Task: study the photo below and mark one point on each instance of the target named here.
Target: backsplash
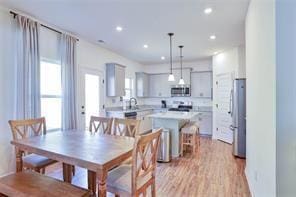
(195, 101)
(115, 102)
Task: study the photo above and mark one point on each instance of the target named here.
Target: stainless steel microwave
(180, 91)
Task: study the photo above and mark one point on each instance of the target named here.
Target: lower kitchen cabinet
(204, 120)
(146, 123)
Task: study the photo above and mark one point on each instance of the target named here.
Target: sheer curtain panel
(69, 71)
(27, 69)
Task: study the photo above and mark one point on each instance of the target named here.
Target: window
(128, 88)
(51, 90)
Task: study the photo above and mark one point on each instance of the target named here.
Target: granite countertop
(140, 108)
(155, 107)
(174, 115)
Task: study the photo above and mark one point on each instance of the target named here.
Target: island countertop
(174, 115)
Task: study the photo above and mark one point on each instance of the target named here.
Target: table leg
(102, 176)
(19, 161)
(67, 172)
(92, 181)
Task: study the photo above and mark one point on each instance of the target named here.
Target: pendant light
(171, 76)
(181, 82)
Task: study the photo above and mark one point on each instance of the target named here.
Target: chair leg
(73, 170)
(194, 143)
(43, 171)
(153, 189)
(37, 170)
(182, 139)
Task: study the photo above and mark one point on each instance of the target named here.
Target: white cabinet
(146, 122)
(186, 76)
(204, 120)
(142, 84)
(159, 86)
(115, 80)
(201, 84)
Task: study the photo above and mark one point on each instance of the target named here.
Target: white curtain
(69, 71)
(27, 69)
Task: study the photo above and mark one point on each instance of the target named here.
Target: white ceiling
(146, 22)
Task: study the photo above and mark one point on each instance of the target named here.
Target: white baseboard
(6, 174)
(248, 177)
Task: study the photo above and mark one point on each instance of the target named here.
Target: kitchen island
(173, 121)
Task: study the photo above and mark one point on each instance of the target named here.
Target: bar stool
(190, 136)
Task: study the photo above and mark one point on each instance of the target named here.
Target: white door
(224, 120)
(91, 95)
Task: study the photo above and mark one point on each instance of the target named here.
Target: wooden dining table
(96, 152)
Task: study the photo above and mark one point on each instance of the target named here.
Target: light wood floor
(212, 172)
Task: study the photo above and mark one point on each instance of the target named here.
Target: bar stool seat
(190, 136)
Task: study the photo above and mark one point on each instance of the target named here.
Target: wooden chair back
(27, 128)
(100, 124)
(126, 127)
(144, 162)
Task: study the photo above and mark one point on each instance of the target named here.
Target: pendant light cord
(171, 52)
(181, 60)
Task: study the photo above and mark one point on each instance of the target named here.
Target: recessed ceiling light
(208, 10)
(163, 57)
(145, 46)
(212, 37)
(118, 28)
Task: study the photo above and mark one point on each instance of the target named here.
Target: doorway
(224, 120)
(91, 95)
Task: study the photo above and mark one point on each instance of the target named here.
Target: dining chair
(22, 129)
(134, 180)
(100, 124)
(126, 127)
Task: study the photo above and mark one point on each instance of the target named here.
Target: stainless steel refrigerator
(238, 114)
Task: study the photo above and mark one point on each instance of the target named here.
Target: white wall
(285, 98)
(261, 98)
(202, 65)
(233, 62)
(7, 158)
(94, 57)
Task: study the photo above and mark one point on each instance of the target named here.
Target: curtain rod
(50, 28)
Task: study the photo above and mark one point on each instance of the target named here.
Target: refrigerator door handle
(231, 103)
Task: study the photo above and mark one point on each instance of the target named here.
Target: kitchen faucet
(130, 102)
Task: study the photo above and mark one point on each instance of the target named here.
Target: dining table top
(93, 151)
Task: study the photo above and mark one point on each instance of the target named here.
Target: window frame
(51, 61)
(131, 87)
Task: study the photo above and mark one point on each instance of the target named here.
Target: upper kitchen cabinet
(142, 84)
(201, 84)
(159, 85)
(115, 79)
(186, 76)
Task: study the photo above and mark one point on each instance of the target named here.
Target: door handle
(83, 113)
